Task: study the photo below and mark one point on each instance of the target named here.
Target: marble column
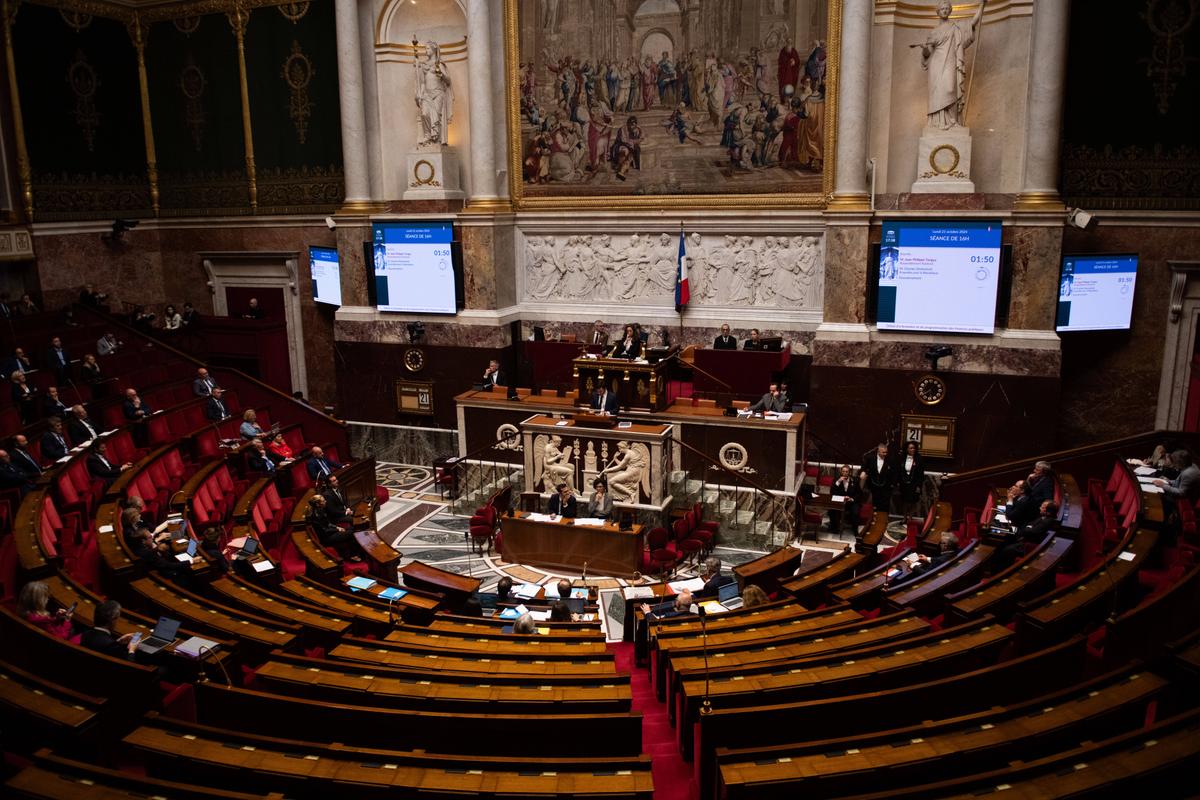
(850, 177)
(1044, 107)
(350, 92)
(479, 72)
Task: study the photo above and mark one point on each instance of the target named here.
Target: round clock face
(414, 359)
(930, 389)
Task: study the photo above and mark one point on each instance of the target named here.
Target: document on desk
(509, 613)
(262, 566)
(692, 585)
(638, 592)
(392, 593)
(1150, 488)
(1144, 471)
(359, 582)
(782, 416)
(1003, 520)
(594, 522)
(536, 517)
(193, 646)
(527, 591)
(540, 616)
(713, 607)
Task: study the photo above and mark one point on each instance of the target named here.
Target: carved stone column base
(1039, 201)
(361, 208)
(488, 205)
(858, 201)
(944, 162)
(433, 175)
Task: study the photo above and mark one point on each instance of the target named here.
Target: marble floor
(418, 523)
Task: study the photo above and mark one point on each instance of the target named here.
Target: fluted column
(479, 73)
(350, 91)
(850, 177)
(1044, 107)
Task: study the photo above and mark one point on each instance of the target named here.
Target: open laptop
(162, 635)
(249, 548)
(727, 596)
(192, 547)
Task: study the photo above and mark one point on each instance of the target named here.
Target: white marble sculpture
(629, 470)
(724, 271)
(943, 57)
(435, 97)
(555, 466)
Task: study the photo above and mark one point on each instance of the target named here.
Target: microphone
(584, 578)
(203, 674)
(706, 705)
(391, 613)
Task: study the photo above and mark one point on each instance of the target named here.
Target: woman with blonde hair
(753, 596)
(33, 606)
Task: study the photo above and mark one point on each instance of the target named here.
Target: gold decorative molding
(297, 73)
(488, 205)
(137, 33)
(359, 208)
(1038, 202)
(151, 12)
(24, 169)
(239, 18)
(406, 53)
(915, 15)
(855, 201)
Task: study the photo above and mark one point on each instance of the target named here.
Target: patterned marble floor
(418, 524)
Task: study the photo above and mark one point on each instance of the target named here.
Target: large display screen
(938, 276)
(326, 275)
(413, 267)
(1095, 293)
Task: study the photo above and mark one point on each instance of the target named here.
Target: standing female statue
(435, 99)
(943, 56)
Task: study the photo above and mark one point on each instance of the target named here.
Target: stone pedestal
(944, 162)
(433, 175)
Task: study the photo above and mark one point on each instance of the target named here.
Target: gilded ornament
(298, 73)
(193, 83)
(429, 176)
(77, 20)
(82, 78)
(187, 25)
(294, 11)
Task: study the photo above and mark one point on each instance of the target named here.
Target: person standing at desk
(601, 505)
(753, 343)
(878, 475)
(629, 347)
(605, 402)
(563, 503)
(771, 401)
(725, 341)
(599, 334)
(845, 486)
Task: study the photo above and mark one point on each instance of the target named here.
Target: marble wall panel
(846, 273)
(395, 331)
(130, 271)
(908, 355)
(399, 444)
(1037, 252)
(350, 240)
(479, 266)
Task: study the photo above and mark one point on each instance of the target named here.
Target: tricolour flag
(682, 295)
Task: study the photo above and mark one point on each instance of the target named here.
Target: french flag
(682, 295)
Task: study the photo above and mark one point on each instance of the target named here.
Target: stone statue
(435, 99)
(628, 469)
(556, 465)
(943, 56)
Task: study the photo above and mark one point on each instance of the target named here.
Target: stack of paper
(527, 591)
(713, 607)
(392, 593)
(692, 585)
(360, 582)
(264, 565)
(193, 646)
(638, 592)
(540, 616)
(594, 522)
(1145, 471)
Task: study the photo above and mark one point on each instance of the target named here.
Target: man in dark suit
(492, 376)
(215, 408)
(947, 550)
(753, 343)
(563, 502)
(17, 362)
(1014, 543)
(254, 310)
(12, 476)
(79, 427)
(320, 466)
(1040, 483)
(335, 501)
(680, 606)
(52, 406)
(725, 341)
(713, 579)
(771, 401)
(204, 384)
(258, 460)
(845, 486)
(103, 637)
(23, 459)
(136, 409)
(605, 401)
(53, 444)
(878, 476)
(190, 316)
(100, 467)
(599, 334)
(58, 360)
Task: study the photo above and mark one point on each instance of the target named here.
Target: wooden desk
(455, 588)
(381, 556)
(746, 373)
(638, 384)
(605, 550)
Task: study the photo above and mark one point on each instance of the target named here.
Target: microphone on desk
(584, 578)
(391, 613)
(203, 674)
(706, 705)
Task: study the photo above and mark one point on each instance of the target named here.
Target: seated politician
(681, 605)
(563, 502)
(771, 401)
(605, 402)
(630, 345)
(492, 376)
(601, 504)
(713, 579)
(754, 342)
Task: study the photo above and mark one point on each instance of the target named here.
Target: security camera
(329, 223)
(1078, 218)
(937, 353)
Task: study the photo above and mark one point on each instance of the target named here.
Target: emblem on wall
(734, 457)
(508, 438)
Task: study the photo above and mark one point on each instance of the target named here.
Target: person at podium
(563, 502)
(492, 376)
(600, 334)
(753, 343)
(605, 402)
(771, 401)
(725, 341)
(630, 345)
(601, 505)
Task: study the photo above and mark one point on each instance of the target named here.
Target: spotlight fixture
(120, 227)
(1078, 218)
(416, 332)
(937, 353)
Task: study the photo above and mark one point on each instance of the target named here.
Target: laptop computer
(727, 596)
(162, 635)
(575, 604)
(249, 548)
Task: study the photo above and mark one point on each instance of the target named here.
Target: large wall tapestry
(782, 272)
(690, 102)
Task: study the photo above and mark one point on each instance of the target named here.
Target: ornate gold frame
(516, 186)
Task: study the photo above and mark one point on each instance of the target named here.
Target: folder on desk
(262, 566)
(527, 591)
(359, 582)
(579, 591)
(692, 585)
(191, 648)
(509, 613)
(638, 592)
(392, 593)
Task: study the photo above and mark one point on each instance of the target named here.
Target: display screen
(413, 267)
(1095, 293)
(326, 275)
(938, 276)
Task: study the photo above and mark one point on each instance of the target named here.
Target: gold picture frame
(516, 148)
(934, 435)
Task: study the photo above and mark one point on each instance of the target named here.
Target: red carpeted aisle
(672, 775)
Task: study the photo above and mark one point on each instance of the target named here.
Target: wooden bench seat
(318, 563)
(978, 742)
(303, 769)
(367, 616)
(504, 643)
(809, 586)
(865, 590)
(319, 626)
(766, 572)
(926, 593)
(35, 712)
(389, 654)
(1027, 577)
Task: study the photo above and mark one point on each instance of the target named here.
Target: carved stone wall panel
(784, 272)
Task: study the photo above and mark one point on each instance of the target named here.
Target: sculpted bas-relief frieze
(784, 272)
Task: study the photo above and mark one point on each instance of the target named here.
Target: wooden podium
(637, 384)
